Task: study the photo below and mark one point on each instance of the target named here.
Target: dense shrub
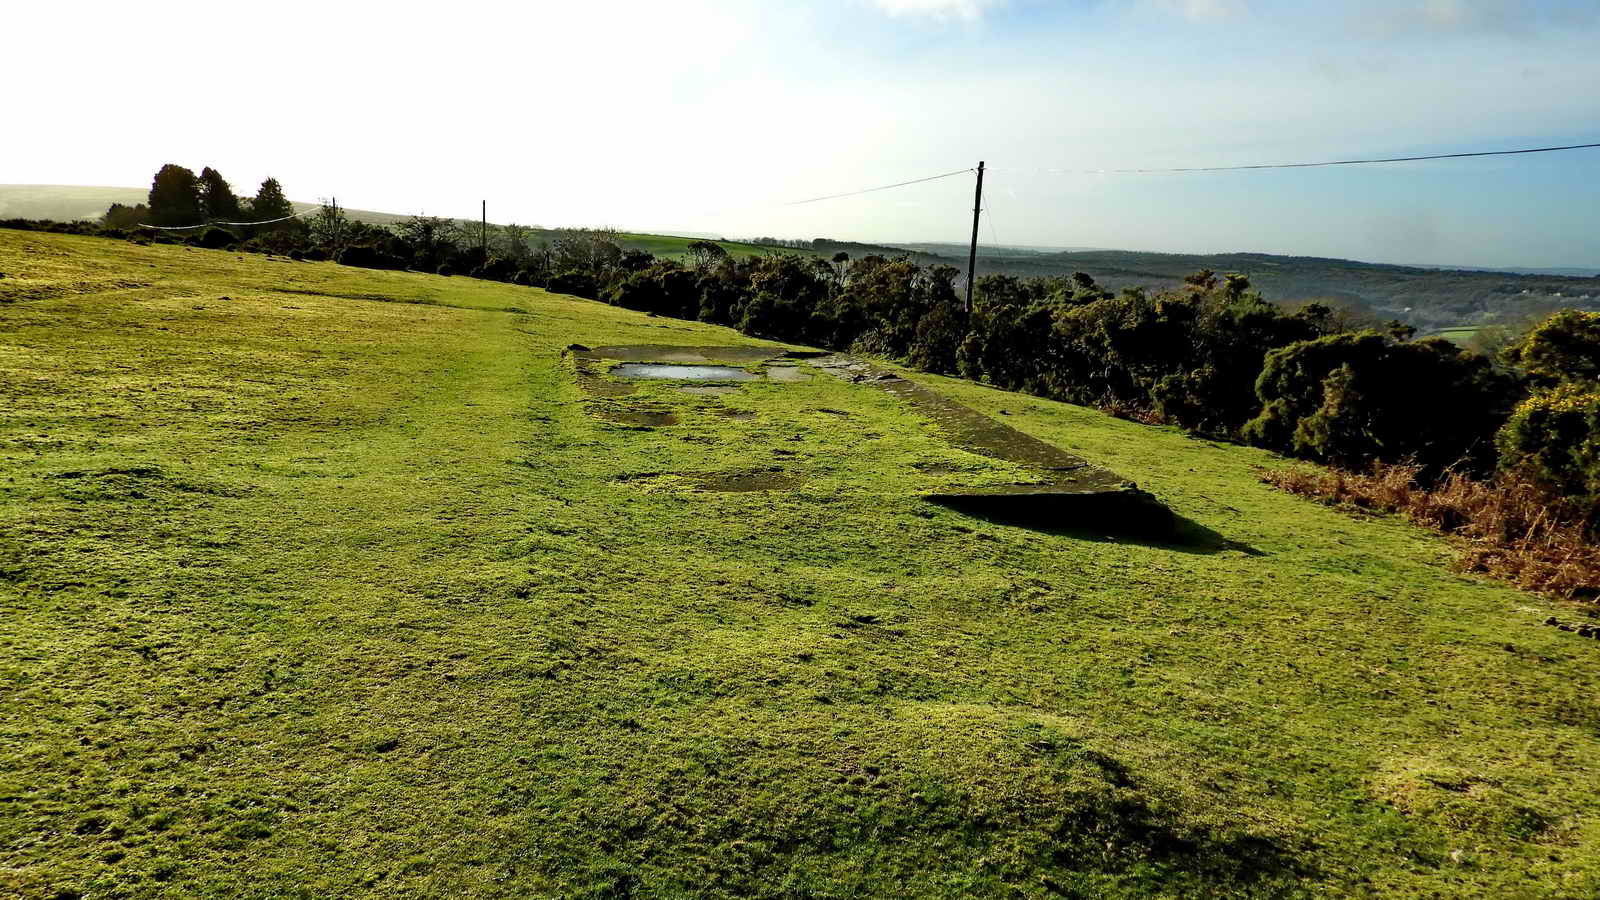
(1356, 399)
(663, 288)
(1553, 438)
(217, 239)
(1562, 348)
(578, 284)
(369, 258)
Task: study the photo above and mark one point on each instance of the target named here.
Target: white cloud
(967, 10)
(1207, 10)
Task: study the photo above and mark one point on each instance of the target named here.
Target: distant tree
(513, 242)
(431, 238)
(175, 197)
(121, 216)
(217, 200)
(587, 250)
(329, 228)
(706, 254)
(270, 203)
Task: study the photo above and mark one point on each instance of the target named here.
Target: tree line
(180, 198)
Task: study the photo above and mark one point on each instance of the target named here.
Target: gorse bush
(1563, 348)
(1356, 399)
(1553, 438)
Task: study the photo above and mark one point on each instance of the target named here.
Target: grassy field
(678, 247)
(326, 582)
(1459, 334)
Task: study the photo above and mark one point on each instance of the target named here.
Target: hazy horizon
(710, 116)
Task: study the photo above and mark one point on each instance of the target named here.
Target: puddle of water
(787, 373)
(708, 389)
(741, 482)
(681, 372)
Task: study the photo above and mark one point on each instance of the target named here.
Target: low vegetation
(329, 581)
(1511, 527)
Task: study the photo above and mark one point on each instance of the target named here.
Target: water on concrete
(743, 355)
(681, 372)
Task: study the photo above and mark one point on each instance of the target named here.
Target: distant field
(326, 582)
(63, 203)
(678, 248)
(1458, 334)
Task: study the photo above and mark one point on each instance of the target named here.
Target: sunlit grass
(320, 581)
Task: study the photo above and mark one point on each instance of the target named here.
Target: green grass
(1458, 334)
(678, 247)
(320, 582)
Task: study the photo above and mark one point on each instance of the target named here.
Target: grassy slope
(303, 593)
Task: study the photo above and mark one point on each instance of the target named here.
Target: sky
(716, 115)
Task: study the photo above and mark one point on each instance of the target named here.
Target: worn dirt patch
(633, 415)
(788, 374)
(755, 480)
(594, 385)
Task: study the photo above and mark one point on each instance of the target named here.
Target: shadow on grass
(1148, 526)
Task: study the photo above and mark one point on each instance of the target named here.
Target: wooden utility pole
(972, 255)
(483, 232)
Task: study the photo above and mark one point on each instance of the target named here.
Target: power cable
(1312, 165)
(294, 215)
(881, 188)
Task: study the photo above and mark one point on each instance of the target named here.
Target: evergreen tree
(217, 199)
(270, 202)
(175, 197)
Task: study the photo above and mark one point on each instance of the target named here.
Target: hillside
(333, 582)
(1430, 298)
(1427, 298)
(63, 202)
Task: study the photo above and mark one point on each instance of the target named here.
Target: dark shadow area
(1121, 517)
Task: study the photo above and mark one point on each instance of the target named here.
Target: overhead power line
(1313, 165)
(294, 215)
(880, 188)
